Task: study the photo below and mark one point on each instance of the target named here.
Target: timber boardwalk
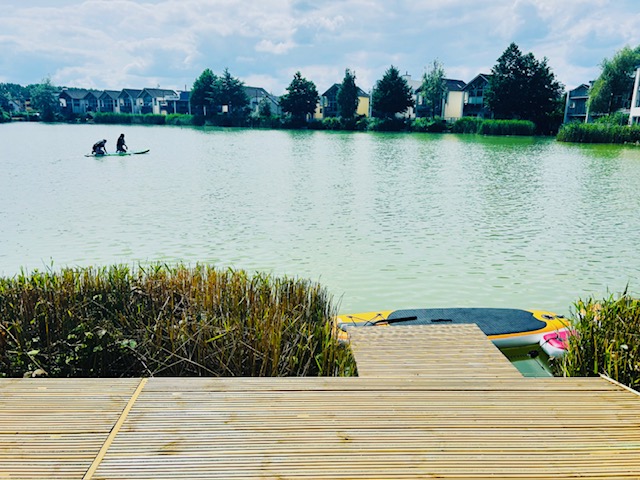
(456, 412)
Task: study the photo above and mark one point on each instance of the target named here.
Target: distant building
(329, 102)
(73, 101)
(474, 105)
(576, 109)
(108, 101)
(127, 101)
(258, 95)
(452, 103)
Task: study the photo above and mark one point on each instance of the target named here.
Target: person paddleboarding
(100, 147)
(121, 147)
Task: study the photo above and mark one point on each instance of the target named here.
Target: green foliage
(44, 99)
(347, 97)
(389, 124)
(300, 100)
(467, 125)
(231, 94)
(203, 93)
(606, 340)
(598, 133)
(4, 116)
(507, 127)
(433, 89)
(179, 119)
(480, 126)
(392, 95)
(432, 125)
(617, 118)
(612, 89)
(522, 87)
(166, 321)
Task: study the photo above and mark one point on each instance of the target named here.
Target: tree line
(521, 87)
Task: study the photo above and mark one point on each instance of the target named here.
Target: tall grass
(607, 340)
(128, 118)
(598, 133)
(493, 127)
(172, 321)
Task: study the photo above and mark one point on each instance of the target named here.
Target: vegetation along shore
(520, 96)
(201, 321)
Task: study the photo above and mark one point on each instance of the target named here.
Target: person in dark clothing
(121, 147)
(100, 147)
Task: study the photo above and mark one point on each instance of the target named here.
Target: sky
(115, 44)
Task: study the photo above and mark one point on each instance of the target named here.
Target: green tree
(433, 89)
(347, 97)
(229, 92)
(44, 99)
(522, 87)
(300, 100)
(392, 94)
(203, 93)
(612, 89)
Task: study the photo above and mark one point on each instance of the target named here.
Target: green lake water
(384, 221)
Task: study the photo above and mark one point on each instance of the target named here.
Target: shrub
(331, 123)
(160, 320)
(467, 125)
(598, 133)
(607, 340)
(507, 127)
(179, 119)
(388, 124)
(432, 125)
(112, 118)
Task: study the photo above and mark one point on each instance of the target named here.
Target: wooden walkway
(387, 424)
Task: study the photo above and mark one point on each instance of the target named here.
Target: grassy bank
(598, 133)
(607, 341)
(166, 321)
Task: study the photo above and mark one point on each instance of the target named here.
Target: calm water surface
(384, 221)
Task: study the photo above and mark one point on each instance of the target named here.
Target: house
(329, 102)
(73, 101)
(108, 101)
(127, 101)
(415, 86)
(257, 95)
(474, 105)
(634, 111)
(452, 102)
(575, 109)
(155, 100)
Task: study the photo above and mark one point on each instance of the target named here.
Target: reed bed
(598, 133)
(166, 321)
(607, 340)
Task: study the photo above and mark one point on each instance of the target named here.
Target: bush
(617, 118)
(112, 118)
(598, 133)
(388, 124)
(331, 123)
(166, 321)
(606, 342)
(179, 119)
(507, 127)
(467, 125)
(431, 125)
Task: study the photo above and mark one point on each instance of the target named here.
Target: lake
(384, 221)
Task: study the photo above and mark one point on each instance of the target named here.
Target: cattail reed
(160, 320)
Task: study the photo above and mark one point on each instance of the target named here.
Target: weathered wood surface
(428, 351)
(372, 427)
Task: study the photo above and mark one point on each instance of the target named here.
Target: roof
(454, 85)
(481, 77)
(111, 93)
(75, 93)
(159, 92)
(132, 92)
(336, 86)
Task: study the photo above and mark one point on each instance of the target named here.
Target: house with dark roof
(108, 101)
(258, 95)
(127, 101)
(73, 101)
(575, 109)
(155, 100)
(329, 102)
(474, 105)
(452, 102)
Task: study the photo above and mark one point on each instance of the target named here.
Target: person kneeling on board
(100, 147)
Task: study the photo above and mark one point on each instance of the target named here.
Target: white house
(634, 113)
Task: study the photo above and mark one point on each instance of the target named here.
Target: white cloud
(116, 43)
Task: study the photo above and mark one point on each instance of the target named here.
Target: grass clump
(166, 321)
(598, 133)
(607, 340)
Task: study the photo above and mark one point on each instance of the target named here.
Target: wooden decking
(389, 423)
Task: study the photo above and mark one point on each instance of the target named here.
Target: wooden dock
(400, 419)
